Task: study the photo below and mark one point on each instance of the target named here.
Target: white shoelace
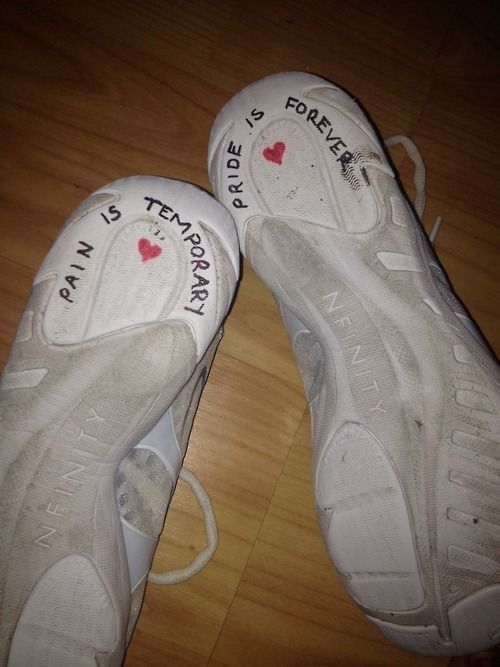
(418, 179)
(203, 557)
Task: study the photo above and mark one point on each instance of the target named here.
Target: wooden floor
(95, 90)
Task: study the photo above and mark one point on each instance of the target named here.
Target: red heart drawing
(275, 153)
(148, 250)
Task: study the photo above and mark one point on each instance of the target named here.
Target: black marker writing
(233, 166)
(85, 250)
(255, 116)
(197, 251)
(336, 144)
(113, 214)
(71, 279)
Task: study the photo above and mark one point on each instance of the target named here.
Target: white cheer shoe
(404, 393)
(96, 404)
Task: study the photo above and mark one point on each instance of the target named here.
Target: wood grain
(93, 91)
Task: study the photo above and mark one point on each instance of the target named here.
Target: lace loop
(170, 577)
(418, 179)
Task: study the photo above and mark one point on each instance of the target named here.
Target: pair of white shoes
(113, 348)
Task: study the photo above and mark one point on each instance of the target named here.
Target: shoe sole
(121, 312)
(404, 393)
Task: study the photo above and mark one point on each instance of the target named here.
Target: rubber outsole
(404, 393)
(122, 310)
